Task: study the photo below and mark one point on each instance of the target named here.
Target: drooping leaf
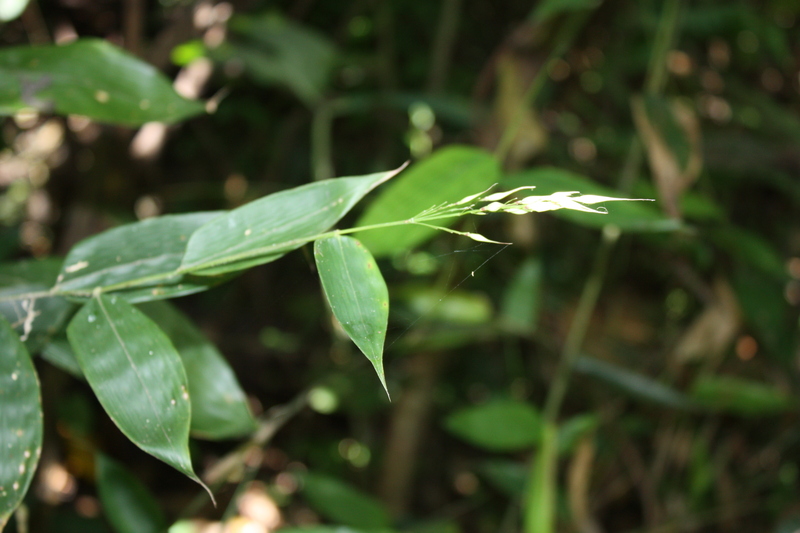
(447, 176)
(127, 503)
(275, 50)
(343, 504)
(357, 294)
(740, 396)
(143, 254)
(219, 405)
(137, 376)
(34, 319)
(502, 425)
(267, 228)
(20, 421)
(89, 77)
(628, 216)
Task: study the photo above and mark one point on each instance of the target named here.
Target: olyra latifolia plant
(142, 357)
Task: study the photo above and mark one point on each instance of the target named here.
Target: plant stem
(544, 465)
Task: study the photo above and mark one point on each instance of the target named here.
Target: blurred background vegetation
(660, 341)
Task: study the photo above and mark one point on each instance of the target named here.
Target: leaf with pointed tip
(219, 405)
(89, 77)
(127, 503)
(150, 249)
(21, 416)
(137, 376)
(357, 294)
(267, 228)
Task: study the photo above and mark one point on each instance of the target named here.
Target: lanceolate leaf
(137, 375)
(89, 77)
(447, 176)
(144, 255)
(20, 421)
(219, 405)
(266, 229)
(127, 503)
(357, 294)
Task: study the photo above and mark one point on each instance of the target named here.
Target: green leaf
(540, 505)
(342, 504)
(628, 216)
(137, 376)
(521, 300)
(500, 426)
(141, 258)
(750, 248)
(21, 416)
(548, 9)
(275, 50)
(219, 405)
(507, 476)
(36, 320)
(357, 294)
(447, 176)
(267, 228)
(127, 503)
(59, 353)
(11, 9)
(633, 383)
(740, 396)
(89, 77)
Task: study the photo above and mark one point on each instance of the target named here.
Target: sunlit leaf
(342, 504)
(447, 176)
(140, 257)
(89, 77)
(21, 417)
(137, 376)
(127, 503)
(267, 228)
(628, 216)
(500, 425)
(219, 405)
(357, 294)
